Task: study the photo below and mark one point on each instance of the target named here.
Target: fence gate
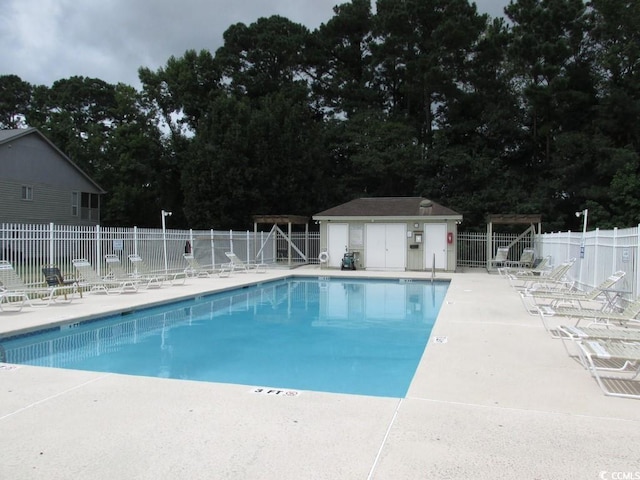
(287, 250)
(473, 247)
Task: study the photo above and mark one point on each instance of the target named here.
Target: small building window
(27, 192)
(75, 207)
(89, 206)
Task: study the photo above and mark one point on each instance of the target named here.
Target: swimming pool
(327, 334)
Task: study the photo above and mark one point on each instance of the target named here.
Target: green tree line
(534, 112)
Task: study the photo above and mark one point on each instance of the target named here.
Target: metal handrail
(433, 268)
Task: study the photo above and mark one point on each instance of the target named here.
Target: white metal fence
(29, 247)
(472, 247)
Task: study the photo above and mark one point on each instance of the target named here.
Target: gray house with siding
(40, 184)
(390, 233)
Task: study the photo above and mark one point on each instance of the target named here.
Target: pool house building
(390, 233)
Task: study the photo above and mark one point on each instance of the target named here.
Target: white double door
(386, 246)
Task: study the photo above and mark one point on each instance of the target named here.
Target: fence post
(51, 259)
(594, 280)
(306, 242)
(98, 256)
(231, 241)
(489, 247)
(615, 250)
(135, 240)
(636, 281)
(289, 243)
(213, 250)
(249, 258)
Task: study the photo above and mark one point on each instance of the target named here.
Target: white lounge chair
(628, 316)
(531, 298)
(540, 269)
(623, 383)
(525, 265)
(571, 335)
(556, 278)
(195, 269)
(501, 257)
(88, 277)
(15, 293)
(237, 264)
(141, 268)
(119, 273)
(12, 301)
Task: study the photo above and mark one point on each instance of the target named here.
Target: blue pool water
(334, 335)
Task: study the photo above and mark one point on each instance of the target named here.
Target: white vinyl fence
(598, 253)
(29, 247)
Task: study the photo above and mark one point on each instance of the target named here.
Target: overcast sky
(47, 40)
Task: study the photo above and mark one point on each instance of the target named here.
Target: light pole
(164, 239)
(584, 213)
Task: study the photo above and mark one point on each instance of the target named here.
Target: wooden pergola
(533, 220)
(288, 220)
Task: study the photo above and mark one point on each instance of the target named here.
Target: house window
(27, 192)
(75, 203)
(89, 206)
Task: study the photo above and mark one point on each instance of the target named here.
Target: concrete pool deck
(499, 399)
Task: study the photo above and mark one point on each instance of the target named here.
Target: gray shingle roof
(6, 135)
(388, 207)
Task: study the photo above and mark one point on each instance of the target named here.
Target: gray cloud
(46, 40)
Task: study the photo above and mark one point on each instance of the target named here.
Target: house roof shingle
(389, 207)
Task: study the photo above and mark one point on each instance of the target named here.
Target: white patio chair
(88, 277)
(237, 264)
